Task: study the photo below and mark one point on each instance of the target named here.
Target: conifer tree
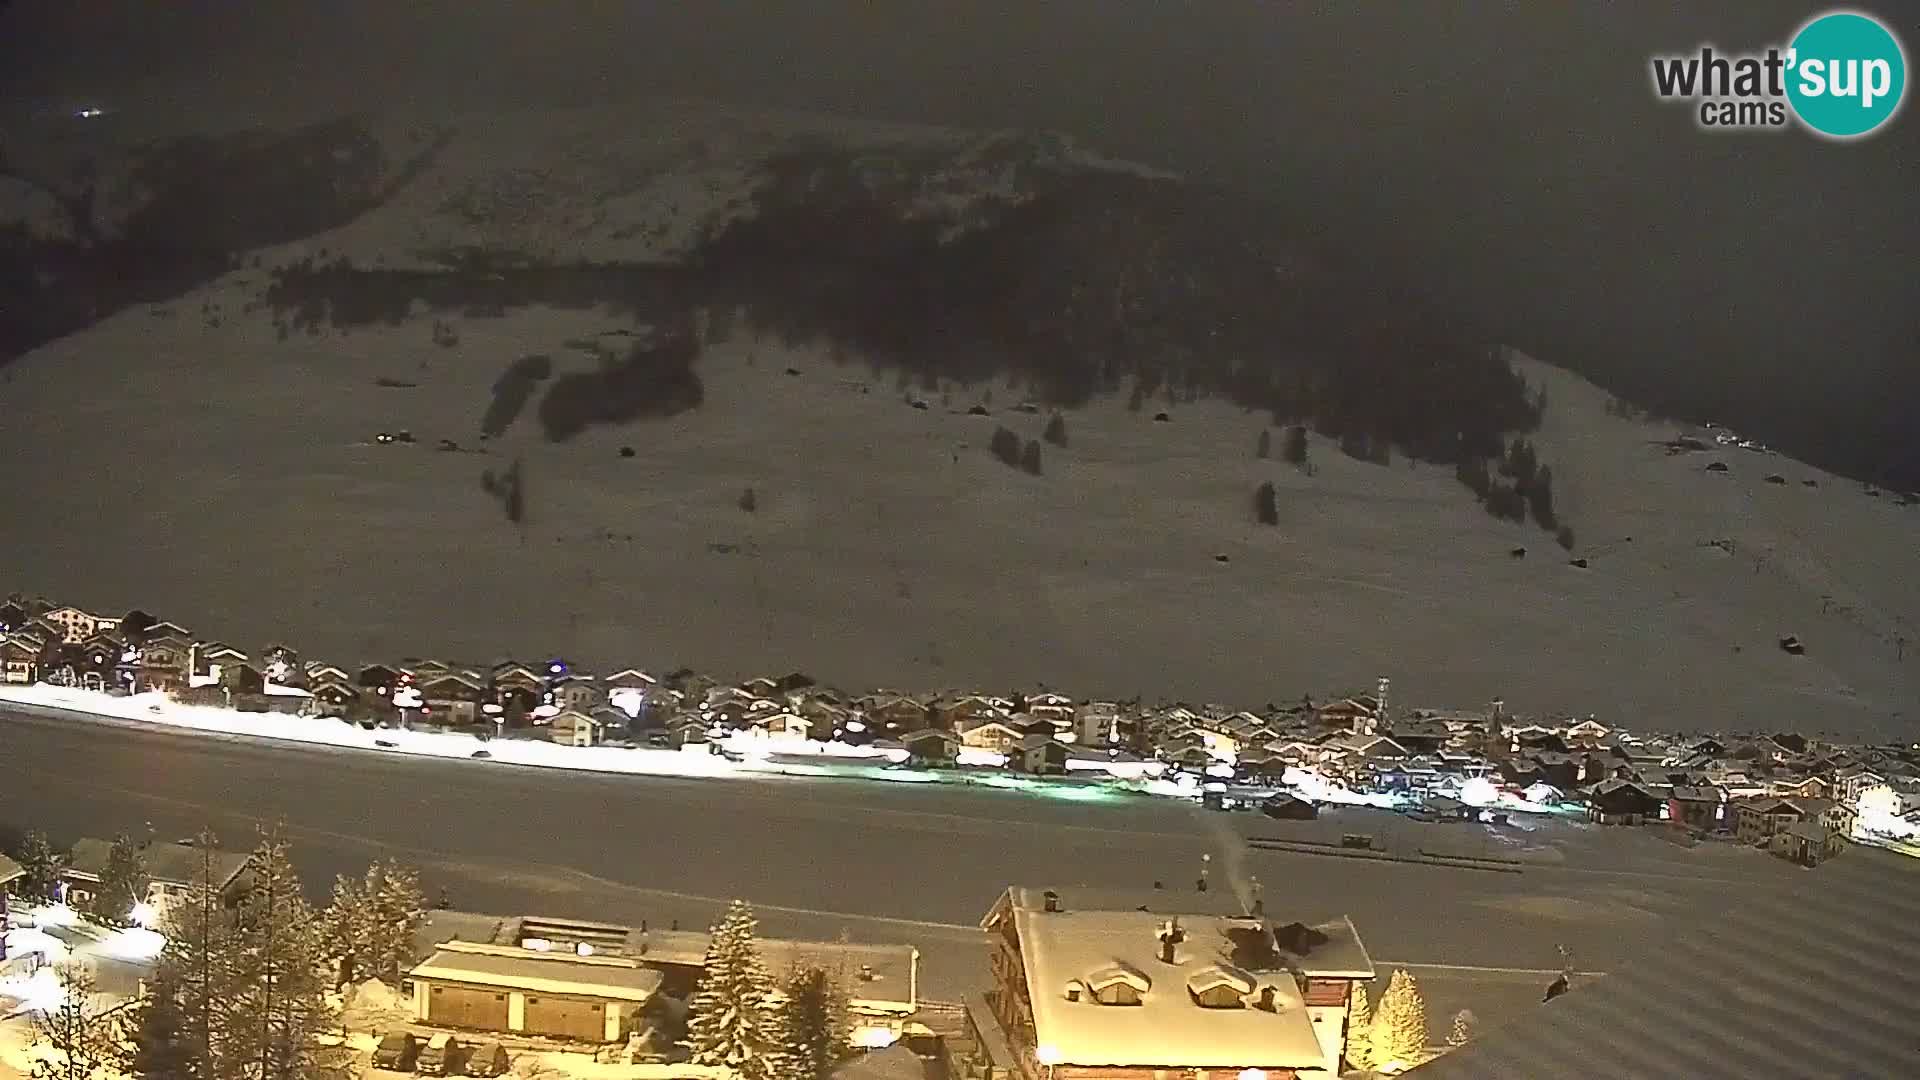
(1056, 432)
(1266, 509)
(398, 907)
(41, 864)
(345, 931)
(123, 883)
(1359, 1028)
(815, 1025)
(1462, 1029)
(1400, 1030)
(1294, 450)
(157, 1036)
(278, 1004)
(197, 962)
(1540, 499)
(730, 1022)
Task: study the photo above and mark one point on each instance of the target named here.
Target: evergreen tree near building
(123, 883)
(1359, 1027)
(1400, 1028)
(398, 906)
(157, 1037)
(277, 1005)
(815, 1024)
(41, 864)
(197, 965)
(730, 1020)
(80, 1037)
(1462, 1029)
(346, 931)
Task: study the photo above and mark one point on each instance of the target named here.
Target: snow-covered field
(231, 483)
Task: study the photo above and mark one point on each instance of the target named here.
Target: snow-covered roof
(1827, 996)
(9, 870)
(615, 978)
(1167, 1028)
(174, 864)
(881, 978)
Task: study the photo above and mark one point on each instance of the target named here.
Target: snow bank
(158, 709)
(758, 757)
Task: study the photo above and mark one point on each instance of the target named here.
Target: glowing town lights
(1253, 1074)
(1048, 1054)
(134, 944)
(583, 949)
(143, 914)
(1479, 791)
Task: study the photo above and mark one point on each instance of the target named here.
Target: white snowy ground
(230, 482)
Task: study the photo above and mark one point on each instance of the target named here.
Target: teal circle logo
(1846, 74)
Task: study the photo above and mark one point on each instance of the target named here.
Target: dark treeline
(1103, 280)
(205, 201)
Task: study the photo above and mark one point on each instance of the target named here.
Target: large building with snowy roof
(1138, 994)
(590, 981)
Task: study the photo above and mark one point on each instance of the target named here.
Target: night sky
(1507, 158)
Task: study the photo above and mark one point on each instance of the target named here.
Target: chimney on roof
(1266, 999)
(1052, 900)
(1170, 936)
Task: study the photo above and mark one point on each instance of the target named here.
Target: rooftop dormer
(1115, 984)
(1217, 986)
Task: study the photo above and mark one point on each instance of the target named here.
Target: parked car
(438, 1058)
(488, 1059)
(398, 1050)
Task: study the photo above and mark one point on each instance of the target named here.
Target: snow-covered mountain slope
(637, 184)
(211, 456)
(232, 482)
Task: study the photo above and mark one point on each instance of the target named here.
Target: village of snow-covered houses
(472, 992)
